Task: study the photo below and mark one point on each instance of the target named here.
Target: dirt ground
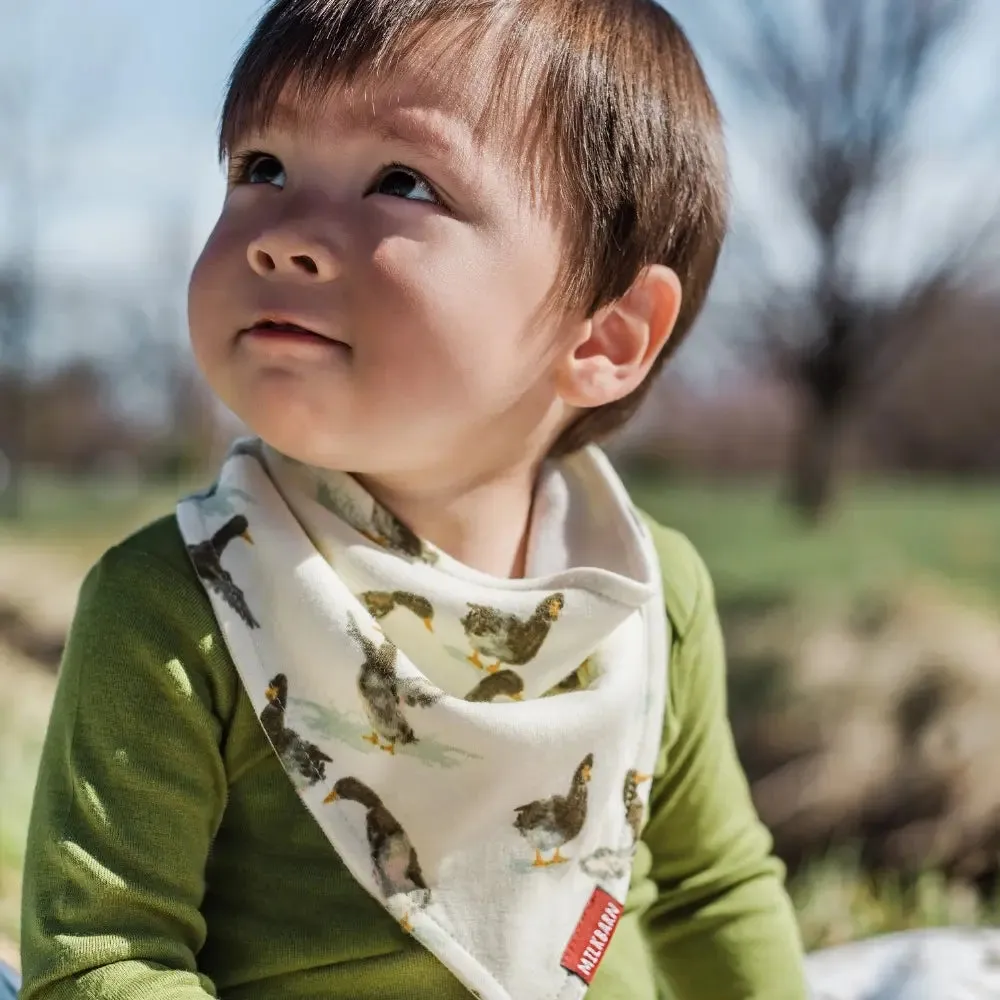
(38, 589)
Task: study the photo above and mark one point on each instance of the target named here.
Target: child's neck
(483, 524)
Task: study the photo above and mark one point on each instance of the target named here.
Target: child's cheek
(427, 300)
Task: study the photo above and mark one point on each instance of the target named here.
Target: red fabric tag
(592, 936)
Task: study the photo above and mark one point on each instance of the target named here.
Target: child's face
(418, 258)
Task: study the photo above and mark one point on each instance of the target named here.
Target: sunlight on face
(372, 295)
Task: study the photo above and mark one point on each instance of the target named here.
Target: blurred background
(829, 437)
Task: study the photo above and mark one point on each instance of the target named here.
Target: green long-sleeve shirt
(170, 857)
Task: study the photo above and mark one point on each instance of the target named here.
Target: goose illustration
(549, 824)
(382, 692)
(504, 683)
(635, 811)
(207, 559)
(382, 602)
(394, 858)
(296, 753)
(507, 638)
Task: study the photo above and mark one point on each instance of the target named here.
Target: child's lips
(279, 334)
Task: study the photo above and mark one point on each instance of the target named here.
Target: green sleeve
(722, 925)
(130, 792)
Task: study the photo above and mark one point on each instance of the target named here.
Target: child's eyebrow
(422, 134)
(437, 133)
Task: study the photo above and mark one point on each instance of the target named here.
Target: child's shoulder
(687, 585)
(150, 567)
(157, 546)
(142, 605)
(159, 540)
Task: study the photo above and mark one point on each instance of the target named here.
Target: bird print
(502, 684)
(635, 811)
(382, 602)
(207, 559)
(383, 693)
(222, 501)
(389, 532)
(393, 857)
(607, 863)
(581, 679)
(246, 447)
(550, 824)
(296, 753)
(507, 638)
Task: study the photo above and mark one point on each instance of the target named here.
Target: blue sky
(126, 96)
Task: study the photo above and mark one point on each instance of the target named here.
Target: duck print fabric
(475, 749)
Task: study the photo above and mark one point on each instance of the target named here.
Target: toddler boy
(412, 702)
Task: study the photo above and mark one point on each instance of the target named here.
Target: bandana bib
(476, 750)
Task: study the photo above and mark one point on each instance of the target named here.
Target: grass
(22, 728)
(836, 901)
(94, 511)
(880, 535)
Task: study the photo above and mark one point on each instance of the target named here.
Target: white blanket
(937, 964)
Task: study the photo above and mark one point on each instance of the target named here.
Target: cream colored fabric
(473, 748)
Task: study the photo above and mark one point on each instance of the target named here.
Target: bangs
(307, 48)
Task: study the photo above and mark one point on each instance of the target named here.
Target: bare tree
(36, 147)
(17, 285)
(849, 103)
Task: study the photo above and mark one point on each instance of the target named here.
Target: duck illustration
(507, 638)
(581, 678)
(393, 856)
(389, 532)
(570, 683)
(222, 500)
(507, 683)
(382, 602)
(382, 692)
(341, 504)
(549, 824)
(295, 752)
(207, 559)
(635, 811)
(247, 447)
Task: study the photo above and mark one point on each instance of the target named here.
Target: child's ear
(617, 346)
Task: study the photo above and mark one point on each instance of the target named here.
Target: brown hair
(616, 99)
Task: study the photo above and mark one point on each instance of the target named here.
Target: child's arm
(130, 793)
(722, 926)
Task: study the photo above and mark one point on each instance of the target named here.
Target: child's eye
(257, 168)
(401, 182)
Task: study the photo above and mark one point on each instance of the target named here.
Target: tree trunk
(15, 354)
(809, 489)
(12, 459)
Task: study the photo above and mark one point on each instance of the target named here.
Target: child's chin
(297, 429)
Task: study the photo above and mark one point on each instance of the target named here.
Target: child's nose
(283, 254)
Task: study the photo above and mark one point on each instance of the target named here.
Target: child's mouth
(285, 332)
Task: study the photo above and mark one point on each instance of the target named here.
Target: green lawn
(91, 509)
(880, 535)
